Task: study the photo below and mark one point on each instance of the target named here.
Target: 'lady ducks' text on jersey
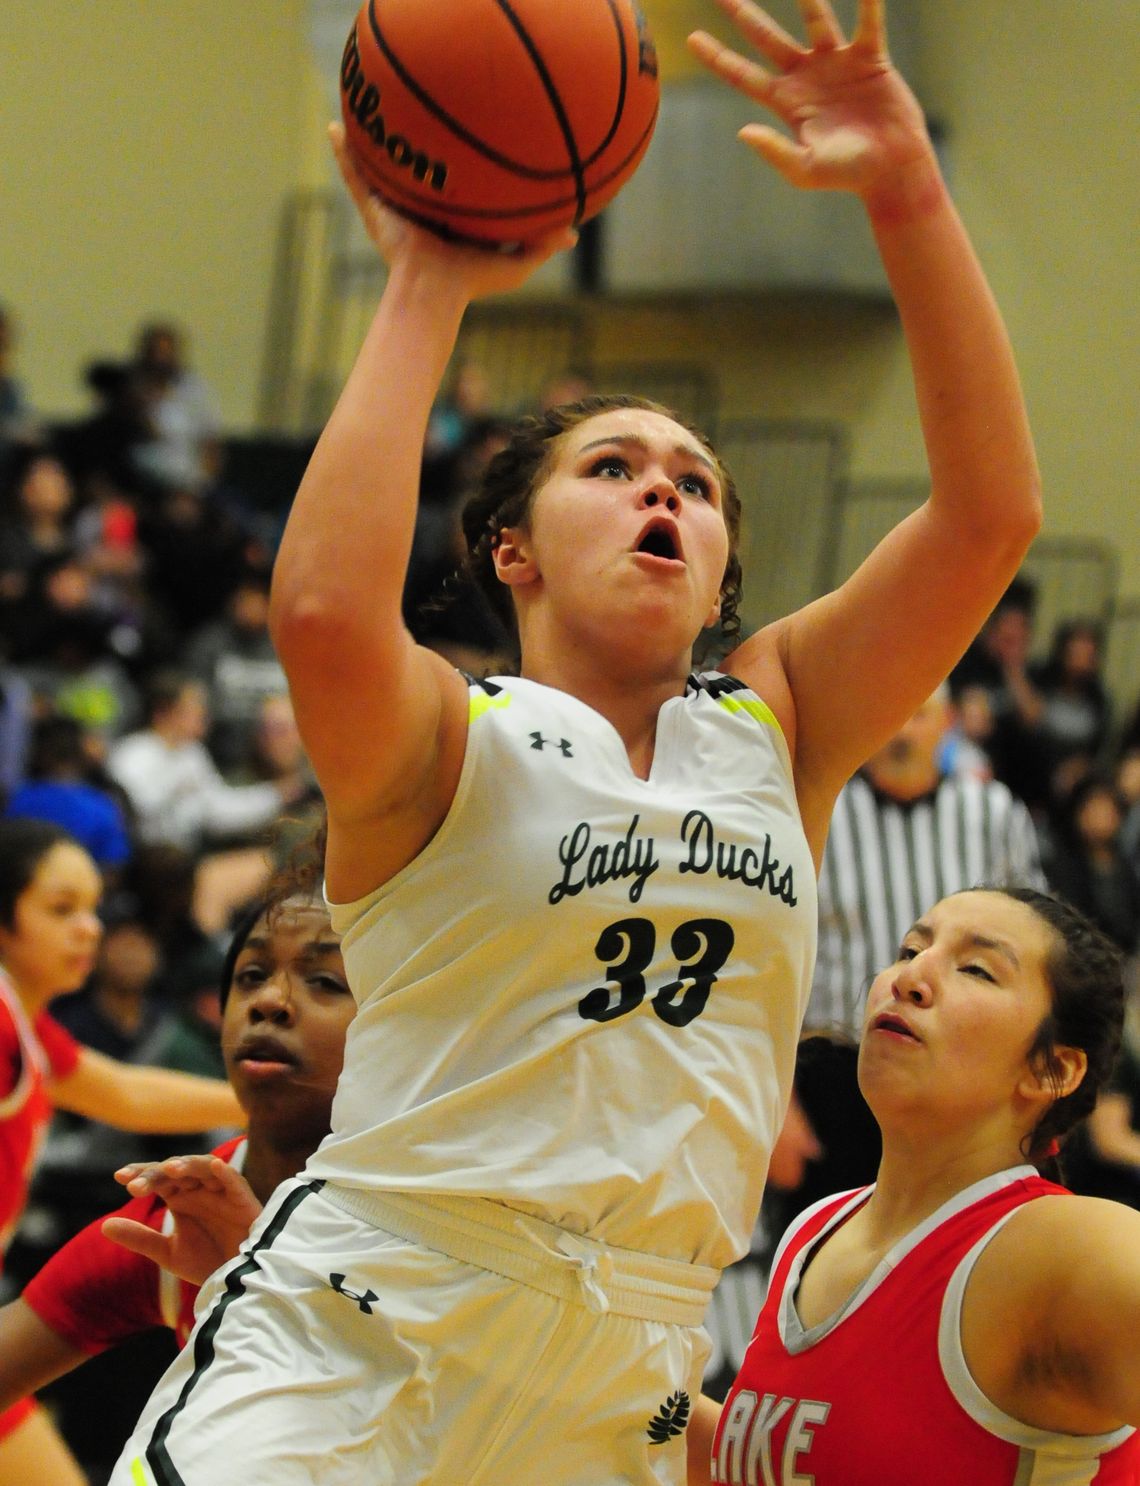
(583, 996)
(880, 1394)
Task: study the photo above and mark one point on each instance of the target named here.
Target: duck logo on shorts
(363, 1301)
(670, 1419)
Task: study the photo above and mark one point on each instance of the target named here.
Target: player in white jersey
(577, 906)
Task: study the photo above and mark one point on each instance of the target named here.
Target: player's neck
(628, 701)
(268, 1162)
(916, 1177)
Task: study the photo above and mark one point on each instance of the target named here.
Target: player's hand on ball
(485, 270)
(854, 124)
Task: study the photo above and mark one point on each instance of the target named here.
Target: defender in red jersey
(964, 1319)
(49, 934)
(286, 1008)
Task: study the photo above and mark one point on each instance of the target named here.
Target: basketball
(497, 121)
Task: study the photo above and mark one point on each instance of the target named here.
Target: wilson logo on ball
(362, 101)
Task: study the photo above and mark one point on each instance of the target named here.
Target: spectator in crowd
(196, 554)
(36, 510)
(63, 785)
(16, 705)
(1085, 860)
(103, 442)
(15, 413)
(998, 663)
(175, 788)
(234, 658)
(463, 402)
(901, 834)
(1075, 710)
(70, 656)
(1127, 775)
(184, 420)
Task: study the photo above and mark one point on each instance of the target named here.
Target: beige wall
(146, 150)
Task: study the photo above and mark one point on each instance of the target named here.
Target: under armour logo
(670, 1419)
(363, 1301)
(563, 743)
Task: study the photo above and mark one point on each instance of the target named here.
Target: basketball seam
(556, 104)
(576, 168)
(395, 192)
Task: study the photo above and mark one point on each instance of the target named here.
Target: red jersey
(32, 1052)
(879, 1394)
(95, 1294)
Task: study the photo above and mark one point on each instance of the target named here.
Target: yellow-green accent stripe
(481, 702)
(138, 1473)
(755, 708)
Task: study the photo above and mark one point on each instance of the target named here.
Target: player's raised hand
(853, 123)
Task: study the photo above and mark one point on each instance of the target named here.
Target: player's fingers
(871, 30)
(138, 1238)
(747, 77)
(357, 186)
(758, 27)
(823, 29)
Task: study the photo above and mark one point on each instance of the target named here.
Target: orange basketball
(498, 120)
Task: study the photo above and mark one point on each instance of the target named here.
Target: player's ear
(513, 557)
(1045, 1082)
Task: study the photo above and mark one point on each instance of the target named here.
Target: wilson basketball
(498, 120)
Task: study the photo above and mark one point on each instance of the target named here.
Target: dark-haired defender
(50, 890)
(286, 1006)
(965, 1319)
(578, 906)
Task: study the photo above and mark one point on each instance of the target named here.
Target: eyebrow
(975, 941)
(313, 947)
(639, 443)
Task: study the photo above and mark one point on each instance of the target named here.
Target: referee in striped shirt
(904, 835)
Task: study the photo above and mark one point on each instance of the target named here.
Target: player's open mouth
(660, 538)
(889, 1022)
(264, 1057)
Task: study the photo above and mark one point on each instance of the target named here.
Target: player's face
(630, 521)
(284, 1024)
(950, 1025)
(51, 946)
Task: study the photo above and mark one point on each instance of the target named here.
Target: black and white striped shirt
(886, 863)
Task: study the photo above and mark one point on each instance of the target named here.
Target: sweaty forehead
(653, 429)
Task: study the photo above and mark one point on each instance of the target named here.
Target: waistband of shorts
(568, 1266)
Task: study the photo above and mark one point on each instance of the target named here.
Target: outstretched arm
(850, 668)
(212, 1205)
(154, 1101)
(31, 1353)
(377, 714)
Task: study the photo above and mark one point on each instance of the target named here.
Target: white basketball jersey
(583, 997)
